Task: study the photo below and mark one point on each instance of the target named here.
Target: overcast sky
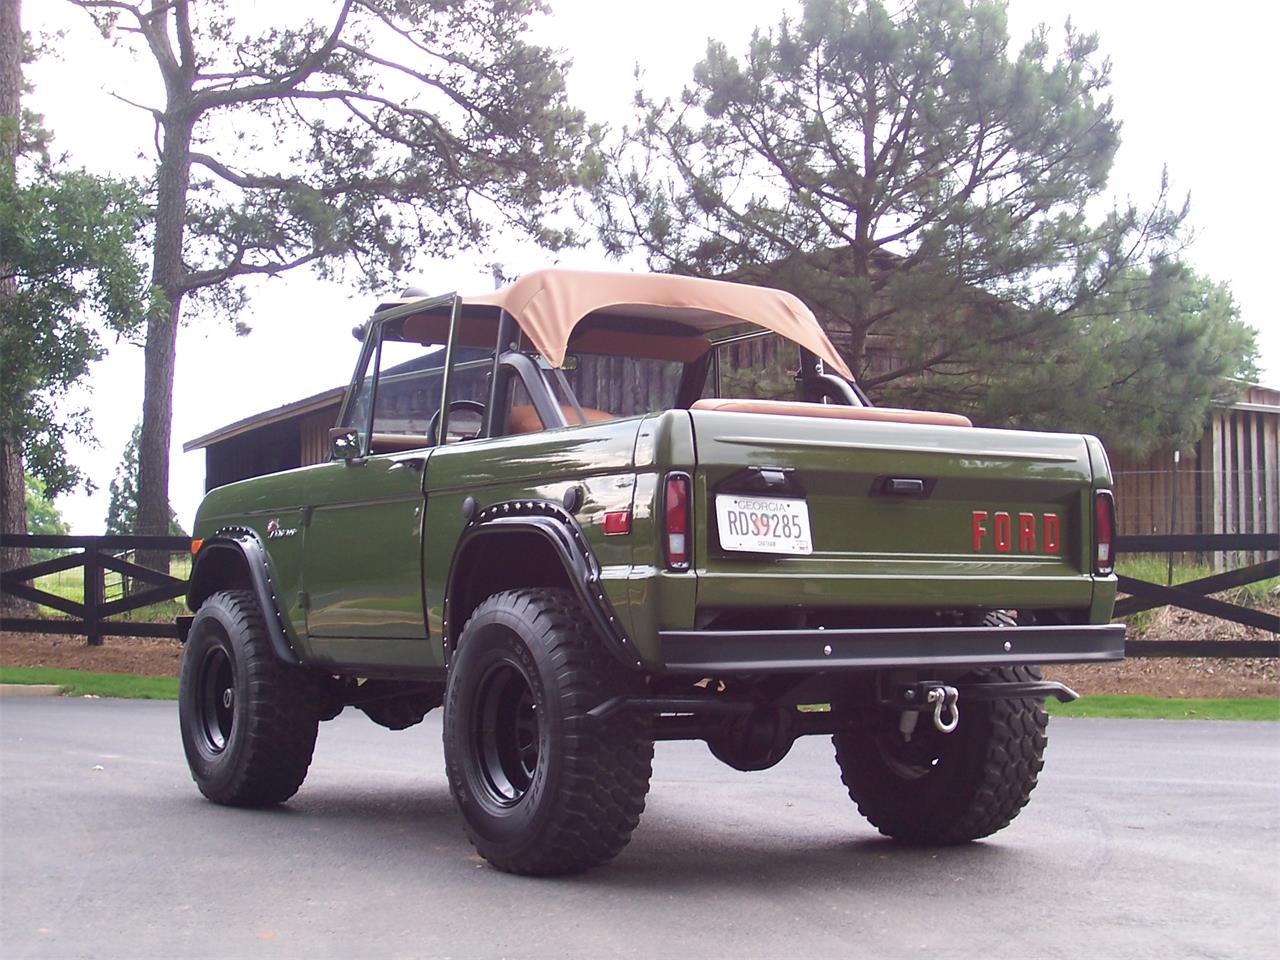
(1193, 85)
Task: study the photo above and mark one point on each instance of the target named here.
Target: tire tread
(996, 784)
(607, 764)
(280, 736)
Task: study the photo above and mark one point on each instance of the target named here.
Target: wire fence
(1184, 500)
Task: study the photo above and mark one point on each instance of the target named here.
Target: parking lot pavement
(1144, 838)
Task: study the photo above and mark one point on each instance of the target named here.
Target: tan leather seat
(525, 419)
(397, 442)
(834, 411)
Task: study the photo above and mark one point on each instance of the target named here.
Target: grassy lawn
(70, 585)
(82, 682)
(1153, 568)
(1162, 708)
(78, 683)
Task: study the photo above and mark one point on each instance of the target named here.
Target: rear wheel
(543, 789)
(248, 721)
(948, 788)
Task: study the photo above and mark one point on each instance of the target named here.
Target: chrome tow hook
(945, 700)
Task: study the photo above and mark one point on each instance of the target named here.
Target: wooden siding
(1228, 483)
(314, 434)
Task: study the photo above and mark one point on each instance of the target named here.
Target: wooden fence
(101, 554)
(96, 556)
(1193, 595)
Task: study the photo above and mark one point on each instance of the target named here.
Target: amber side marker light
(195, 546)
(1104, 532)
(617, 522)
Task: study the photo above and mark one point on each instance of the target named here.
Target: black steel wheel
(543, 789)
(506, 734)
(248, 721)
(217, 690)
(941, 788)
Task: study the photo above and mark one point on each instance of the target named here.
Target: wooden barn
(295, 435)
(1229, 482)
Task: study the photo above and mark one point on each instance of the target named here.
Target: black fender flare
(558, 527)
(247, 546)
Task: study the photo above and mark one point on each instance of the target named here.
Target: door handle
(413, 463)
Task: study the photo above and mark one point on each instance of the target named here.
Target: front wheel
(941, 788)
(543, 788)
(248, 723)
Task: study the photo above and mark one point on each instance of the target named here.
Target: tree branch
(157, 114)
(186, 46)
(210, 98)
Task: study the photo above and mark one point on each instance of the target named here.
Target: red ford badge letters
(1002, 532)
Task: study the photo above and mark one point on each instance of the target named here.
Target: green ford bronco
(552, 510)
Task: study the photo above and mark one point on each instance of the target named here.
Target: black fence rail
(97, 556)
(1193, 595)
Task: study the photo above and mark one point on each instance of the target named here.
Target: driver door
(362, 564)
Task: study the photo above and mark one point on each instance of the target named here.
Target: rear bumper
(719, 652)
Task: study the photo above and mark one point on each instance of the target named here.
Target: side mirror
(344, 443)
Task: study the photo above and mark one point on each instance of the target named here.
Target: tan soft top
(549, 304)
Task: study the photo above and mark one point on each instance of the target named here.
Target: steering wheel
(459, 406)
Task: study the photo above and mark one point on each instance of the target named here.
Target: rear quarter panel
(597, 458)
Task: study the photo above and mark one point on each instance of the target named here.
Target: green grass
(69, 584)
(122, 685)
(1154, 568)
(79, 683)
(1166, 708)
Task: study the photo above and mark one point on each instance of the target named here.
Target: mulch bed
(135, 655)
(1148, 676)
(1183, 676)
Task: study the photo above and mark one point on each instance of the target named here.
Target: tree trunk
(162, 327)
(167, 275)
(13, 506)
(13, 488)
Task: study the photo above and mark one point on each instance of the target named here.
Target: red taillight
(676, 516)
(1104, 532)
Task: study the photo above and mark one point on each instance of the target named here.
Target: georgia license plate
(763, 524)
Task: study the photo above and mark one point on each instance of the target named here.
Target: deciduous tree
(391, 128)
(43, 517)
(67, 273)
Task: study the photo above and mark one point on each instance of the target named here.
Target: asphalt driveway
(1144, 838)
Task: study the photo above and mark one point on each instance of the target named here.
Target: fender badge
(275, 531)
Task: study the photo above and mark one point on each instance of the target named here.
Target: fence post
(1173, 509)
(92, 594)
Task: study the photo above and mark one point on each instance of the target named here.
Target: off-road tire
(983, 775)
(254, 752)
(543, 788)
